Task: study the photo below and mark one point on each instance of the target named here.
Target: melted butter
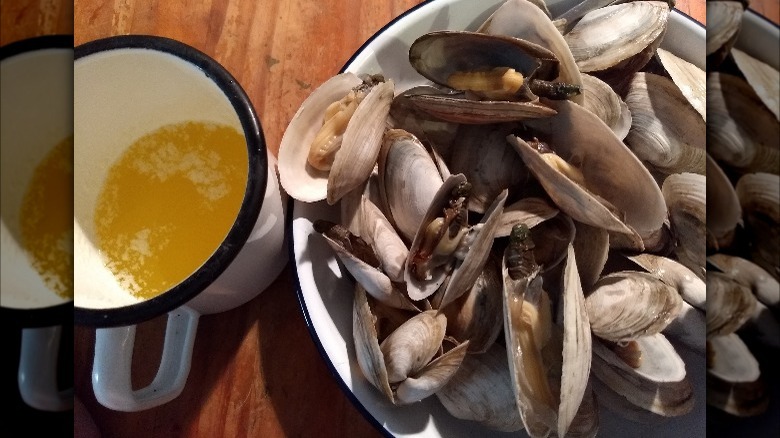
(168, 203)
(46, 219)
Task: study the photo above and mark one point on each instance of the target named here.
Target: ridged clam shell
(724, 19)
(729, 304)
(627, 305)
(692, 289)
(741, 132)
(685, 195)
(666, 131)
(607, 36)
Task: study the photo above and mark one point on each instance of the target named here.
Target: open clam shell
(297, 177)
(526, 20)
(734, 382)
(475, 244)
(405, 366)
(627, 305)
(658, 385)
(460, 108)
(360, 143)
(609, 169)
(381, 235)
(369, 275)
(437, 55)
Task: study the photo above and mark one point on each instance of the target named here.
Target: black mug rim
(59, 313)
(251, 205)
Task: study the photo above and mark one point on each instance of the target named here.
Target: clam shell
(692, 289)
(436, 55)
(734, 382)
(530, 211)
(408, 179)
(412, 345)
(525, 20)
(600, 99)
(607, 36)
(477, 316)
(724, 19)
(764, 286)
(297, 177)
(729, 304)
(627, 305)
(685, 195)
(689, 79)
(481, 391)
(723, 210)
(381, 235)
(482, 155)
(659, 385)
(591, 245)
(576, 345)
(666, 131)
(356, 158)
(610, 169)
(369, 356)
(458, 108)
(741, 132)
(764, 79)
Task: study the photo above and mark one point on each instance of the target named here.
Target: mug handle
(111, 372)
(38, 370)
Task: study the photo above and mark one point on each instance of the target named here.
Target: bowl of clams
(492, 221)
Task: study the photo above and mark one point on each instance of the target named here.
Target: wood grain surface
(255, 370)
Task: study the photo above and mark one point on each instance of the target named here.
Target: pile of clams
(743, 222)
(526, 228)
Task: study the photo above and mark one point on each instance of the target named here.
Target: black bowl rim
(250, 206)
(59, 313)
(291, 247)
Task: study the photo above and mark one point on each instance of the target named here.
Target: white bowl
(326, 292)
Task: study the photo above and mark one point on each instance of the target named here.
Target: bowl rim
(63, 312)
(291, 245)
(251, 205)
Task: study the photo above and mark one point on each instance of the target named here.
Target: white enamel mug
(36, 114)
(124, 88)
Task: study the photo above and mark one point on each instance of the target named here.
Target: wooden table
(255, 370)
